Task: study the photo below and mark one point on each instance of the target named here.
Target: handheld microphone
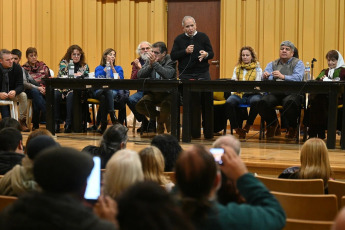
(191, 42)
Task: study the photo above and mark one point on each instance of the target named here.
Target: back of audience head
(152, 162)
(37, 144)
(122, 170)
(10, 122)
(11, 140)
(197, 179)
(228, 140)
(314, 160)
(114, 139)
(170, 149)
(146, 205)
(61, 170)
(36, 133)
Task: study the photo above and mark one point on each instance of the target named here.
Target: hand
(152, 57)
(190, 49)
(266, 75)
(11, 94)
(233, 167)
(78, 74)
(3, 95)
(277, 74)
(43, 91)
(106, 209)
(137, 63)
(323, 77)
(203, 55)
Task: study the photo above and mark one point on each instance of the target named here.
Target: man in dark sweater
(11, 80)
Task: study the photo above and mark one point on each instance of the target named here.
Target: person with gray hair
(143, 49)
(228, 140)
(285, 68)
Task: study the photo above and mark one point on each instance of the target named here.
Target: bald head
(228, 140)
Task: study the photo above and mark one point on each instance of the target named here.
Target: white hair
(187, 17)
(228, 140)
(143, 42)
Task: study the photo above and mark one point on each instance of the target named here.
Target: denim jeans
(132, 101)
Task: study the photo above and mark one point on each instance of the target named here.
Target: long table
(82, 84)
(333, 89)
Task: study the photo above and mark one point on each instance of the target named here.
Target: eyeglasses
(156, 52)
(145, 48)
(76, 55)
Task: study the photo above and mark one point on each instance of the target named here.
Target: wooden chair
(293, 224)
(13, 108)
(6, 201)
(337, 188)
(171, 176)
(342, 201)
(301, 186)
(308, 207)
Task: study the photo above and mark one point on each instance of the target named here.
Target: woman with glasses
(106, 96)
(81, 70)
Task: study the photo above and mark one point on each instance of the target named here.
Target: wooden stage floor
(262, 157)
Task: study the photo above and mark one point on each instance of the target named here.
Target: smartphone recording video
(217, 154)
(93, 188)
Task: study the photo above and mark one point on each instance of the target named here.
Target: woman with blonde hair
(153, 164)
(123, 170)
(314, 163)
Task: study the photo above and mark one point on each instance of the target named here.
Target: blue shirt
(99, 71)
(297, 74)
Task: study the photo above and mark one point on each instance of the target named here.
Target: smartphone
(93, 187)
(217, 154)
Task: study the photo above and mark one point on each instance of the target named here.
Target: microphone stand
(312, 69)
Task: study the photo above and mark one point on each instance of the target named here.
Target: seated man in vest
(286, 68)
(159, 66)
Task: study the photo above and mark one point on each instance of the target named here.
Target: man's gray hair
(230, 141)
(4, 51)
(143, 42)
(288, 44)
(187, 17)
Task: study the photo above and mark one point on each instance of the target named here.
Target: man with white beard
(143, 48)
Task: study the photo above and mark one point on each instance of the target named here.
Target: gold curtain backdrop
(315, 27)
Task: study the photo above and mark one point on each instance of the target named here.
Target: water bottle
(307, 72)
(71, 69)
(107, 70)
(258, 70)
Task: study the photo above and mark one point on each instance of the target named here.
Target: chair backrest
(171, 176)
(293, 224)
(51, 72)
(6, 201)
(308, 207)
(337, 188)
(302, 186)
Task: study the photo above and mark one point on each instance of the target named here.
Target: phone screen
(93, 188)
(217, 154)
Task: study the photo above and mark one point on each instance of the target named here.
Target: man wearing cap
(286, 68)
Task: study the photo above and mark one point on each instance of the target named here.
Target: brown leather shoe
(241, 133)
(246, 128)
(23, 125)
(271, 130)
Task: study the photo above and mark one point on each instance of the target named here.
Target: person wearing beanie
(62, 175)
(20, 179)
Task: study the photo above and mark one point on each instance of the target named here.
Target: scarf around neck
(5, 80)
(250, 74)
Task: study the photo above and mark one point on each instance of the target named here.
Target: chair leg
(134, 124)
(29, 114)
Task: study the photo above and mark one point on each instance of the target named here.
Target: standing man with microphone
(192, 49)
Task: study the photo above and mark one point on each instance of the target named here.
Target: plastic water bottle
(108, 69)
(307, 72)
(71, 69)
(258, 70)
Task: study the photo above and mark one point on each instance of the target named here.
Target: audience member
(170, 148)
(123, 170)
(20, 178)
(62, 174)
(36, 133)
(198, 179)
(81, 70)
(33, 91)
(152, 162)
(246, 70)
(11, 149)
(317, 113)
(11, 80)
(108, 97)
(10, 122)
(38, 70)
(143, 49)
(159, 66)
(230, 141)
(286, 68)
(114, 139)
(314, 163)
(146, 205)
